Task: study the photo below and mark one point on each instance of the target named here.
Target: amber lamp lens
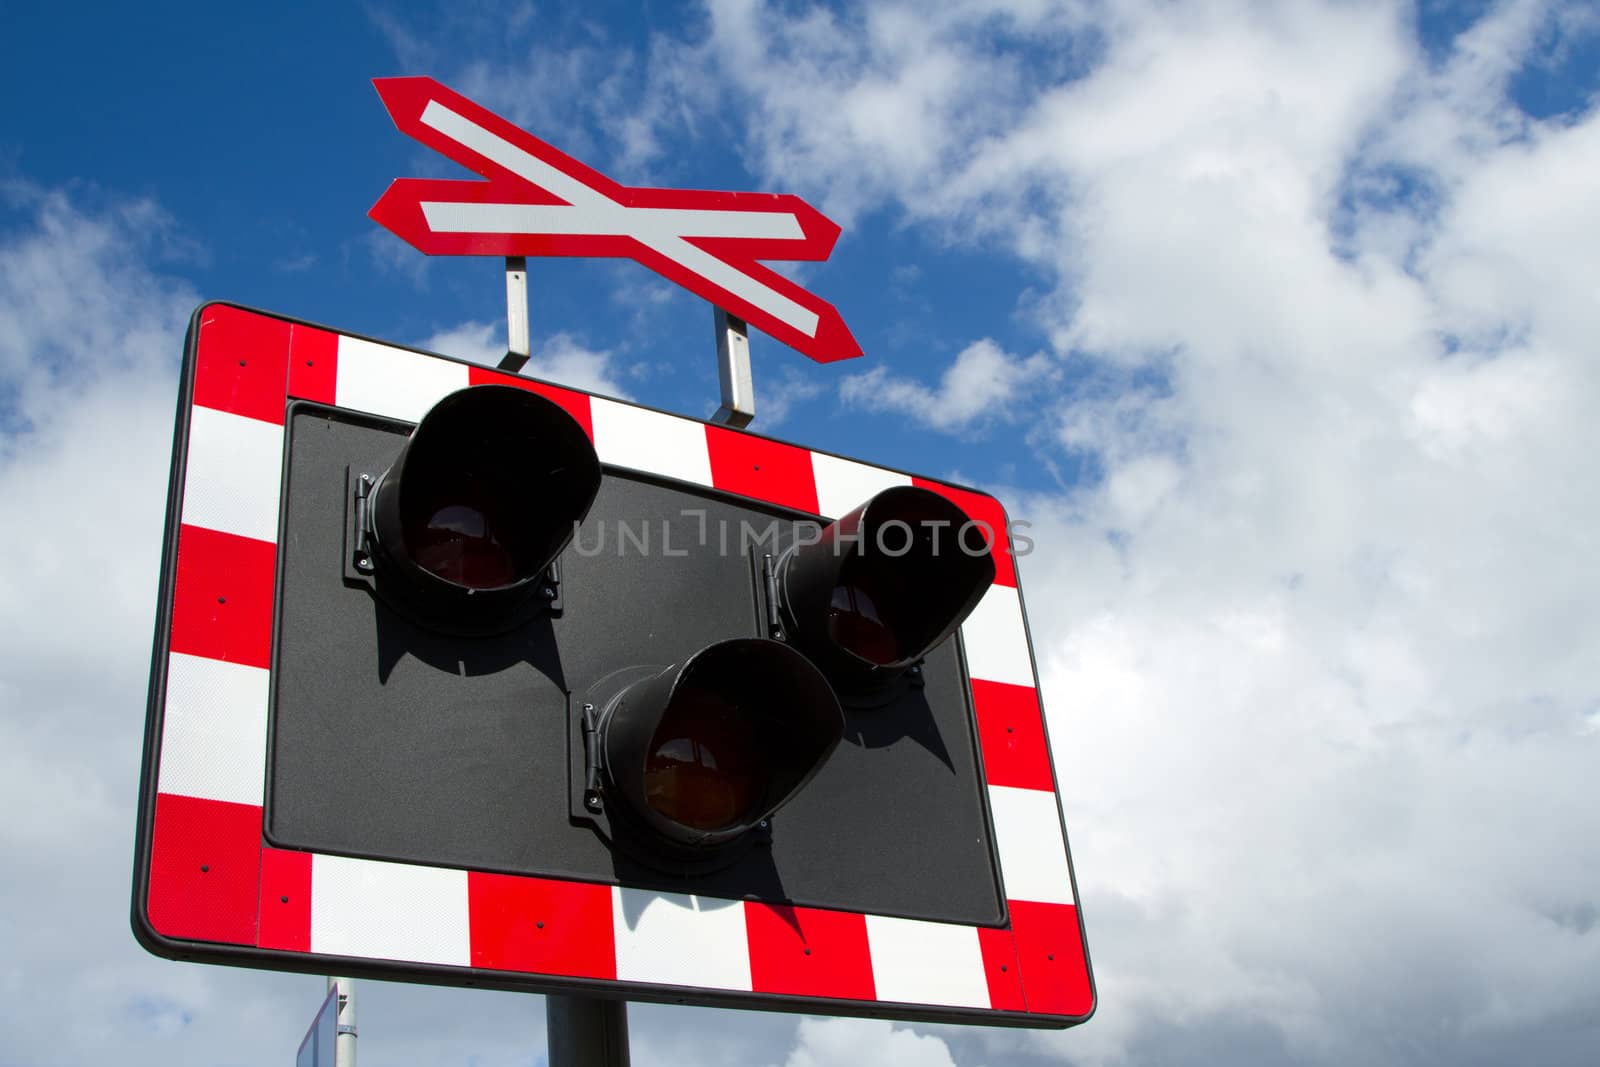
(706, 764)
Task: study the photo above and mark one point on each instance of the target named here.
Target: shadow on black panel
(533, 643)
(908, 718)
(752, 877)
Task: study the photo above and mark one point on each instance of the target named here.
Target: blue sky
(1277, 321)
(262, 141)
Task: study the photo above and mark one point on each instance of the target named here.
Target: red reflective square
(767, 470)
(313, 363)
(205, 869)
(999, 950)
(541, 925)
(1011, 734)
(222, 602)
(809, 952)
(285, 916)
(242, 363)
(1055, 974)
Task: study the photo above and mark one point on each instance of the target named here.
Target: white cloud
(849, 1042)
(89, 345)
(864, 107)
(778, 392)
(559, 358)
(393, 256)
(1514, 247)
(563, 76)
(1318, 643)
(90, 340)
(984, 383)
(1314, 645)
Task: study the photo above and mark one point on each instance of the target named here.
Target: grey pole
(579, 1031)
(585, 1031)
(344, 1046)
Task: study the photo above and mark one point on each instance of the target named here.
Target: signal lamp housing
(702, 753)
(483, 497)
(883, 586)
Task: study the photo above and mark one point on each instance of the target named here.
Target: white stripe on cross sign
(588, 211)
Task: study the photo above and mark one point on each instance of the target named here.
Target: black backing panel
(390, 742)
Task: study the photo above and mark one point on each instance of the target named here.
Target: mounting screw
(588, 707)
(591, 801)
(765, 824)
(363, 563)
(366, 479)
(916, 668)
(548, 592)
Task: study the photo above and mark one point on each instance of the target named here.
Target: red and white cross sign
(539, 201)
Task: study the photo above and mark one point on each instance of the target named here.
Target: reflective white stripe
(232, 474)
(619, 221)
(844, 485)
(1033, 853)
(651, 441)
(392, 381)
(916, 962)
(605, 212)
(996, 640)
(680, 940)
(214, 730)
(389, 911)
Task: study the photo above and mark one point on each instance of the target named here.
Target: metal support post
(517, 350)
(344, 1046)
(733, 367)
(585, 1031)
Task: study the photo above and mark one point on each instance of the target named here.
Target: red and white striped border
(212, 879)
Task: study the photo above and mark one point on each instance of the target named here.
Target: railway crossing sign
(539, 201)
(466, 678)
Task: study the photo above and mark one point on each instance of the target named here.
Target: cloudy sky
(1277, 320)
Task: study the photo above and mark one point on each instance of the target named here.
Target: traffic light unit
(461, 677)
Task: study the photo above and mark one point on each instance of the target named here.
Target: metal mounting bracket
(733, 368)
(517, 343)
(361, 540)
